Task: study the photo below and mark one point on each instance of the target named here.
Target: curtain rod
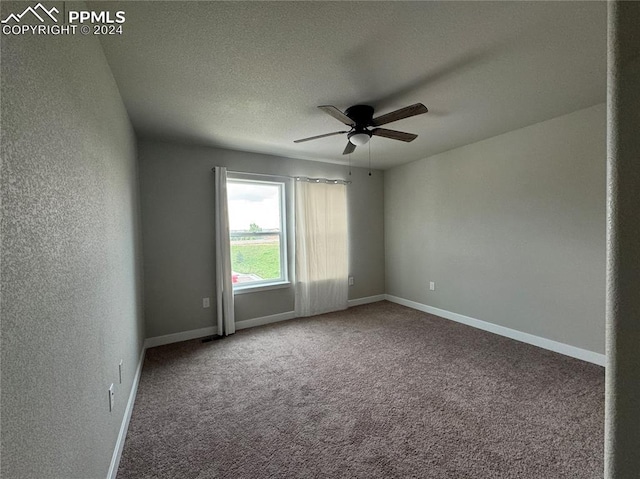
(297, 178)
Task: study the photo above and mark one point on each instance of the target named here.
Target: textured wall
(176, 187)
(70, 274)
(622, 404)
(511, 229)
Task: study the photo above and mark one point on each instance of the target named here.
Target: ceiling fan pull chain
(369, 158)
(349, 164)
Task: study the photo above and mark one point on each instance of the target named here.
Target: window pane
(255, 259)
(255, 224)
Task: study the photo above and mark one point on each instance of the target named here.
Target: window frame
(285, 270)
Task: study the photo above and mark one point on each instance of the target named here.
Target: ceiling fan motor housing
(362, 115)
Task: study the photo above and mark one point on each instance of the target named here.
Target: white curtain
(321, 248)
(224, 288)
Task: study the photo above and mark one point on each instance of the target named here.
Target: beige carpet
(377, 391)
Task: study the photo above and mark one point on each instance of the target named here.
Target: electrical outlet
(120, 371)
(112, 398)
(432, 285)
(205, 303)
(350, 280)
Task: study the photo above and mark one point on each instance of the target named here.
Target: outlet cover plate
(112, 397)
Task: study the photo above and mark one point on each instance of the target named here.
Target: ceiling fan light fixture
(360, 138)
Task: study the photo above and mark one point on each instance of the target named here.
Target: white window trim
(256, 288)
(285, 267)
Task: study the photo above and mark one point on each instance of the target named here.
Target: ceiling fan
(360, 119)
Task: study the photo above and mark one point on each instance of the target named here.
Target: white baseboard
(366, 300)
(212, 330)
(562, 348)
(181, 336)
(274, 318)
(124, 427)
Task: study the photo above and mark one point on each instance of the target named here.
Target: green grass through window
(259, 259)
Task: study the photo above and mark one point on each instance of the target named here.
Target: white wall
(71, 305)
(511, 229)
(176, 187)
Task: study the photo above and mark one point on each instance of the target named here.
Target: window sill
(261, 287)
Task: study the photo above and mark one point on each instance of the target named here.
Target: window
(257, 233)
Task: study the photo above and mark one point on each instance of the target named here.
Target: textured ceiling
(249, 75)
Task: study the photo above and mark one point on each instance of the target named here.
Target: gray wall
(622, 386)
(176, 185)
(511, 229)
(71, 303)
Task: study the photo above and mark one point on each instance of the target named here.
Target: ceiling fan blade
(320, 136)
(406, 112)
(349, 148)
(337, 114)
(394, 135)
